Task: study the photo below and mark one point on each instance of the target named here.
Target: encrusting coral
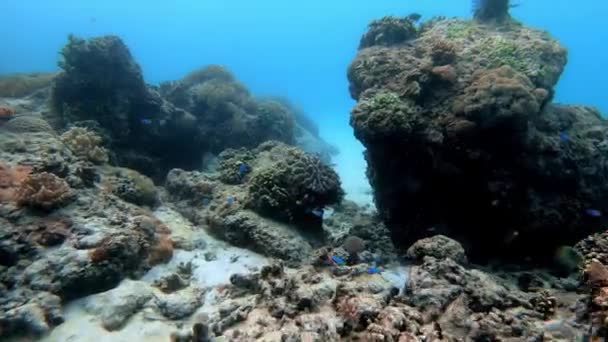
(85, 144)
(44, 191)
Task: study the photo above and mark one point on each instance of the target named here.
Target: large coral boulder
(227, 114)
(461, 138)
(102, 87)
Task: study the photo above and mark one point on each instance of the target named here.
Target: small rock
(116, 306)
(180, 304)
(438, 246)
(210, 256)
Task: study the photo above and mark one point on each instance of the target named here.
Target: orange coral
(6, 113)
(162, 252)
(10, 179)
(43, 190)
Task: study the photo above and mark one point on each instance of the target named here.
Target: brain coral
(28, 124)
(132, 187)
(85, 144)
(44, 191)
(292, 183)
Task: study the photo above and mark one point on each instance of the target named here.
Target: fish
(564, 136)
(317, 212)
(206, 201)
(337, 260)
(593, 212)
(242, 169)
(146, 121)
(229, 200)
(414, 17)
(374, 270)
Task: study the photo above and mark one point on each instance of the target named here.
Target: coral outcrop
(43, 191)
(131, 186)
(258, 196)
(290, 183)
(461, 138)
(20, 85)
(85, 144)
(101, 83)
(227, 114)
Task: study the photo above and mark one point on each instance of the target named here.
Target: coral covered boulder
(85, 144)
(461, 137)
(102, 85)
(288, 182)
(227, 114)
(44, 191)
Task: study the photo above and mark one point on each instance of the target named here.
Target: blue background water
(295, 48)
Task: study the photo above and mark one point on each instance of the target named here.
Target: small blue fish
(593, 212)
(206, 201)
(146, 121)
(564, 136)
(317, 212)
(374, 270)
(242, 169)
(336, 259)
(229, 200)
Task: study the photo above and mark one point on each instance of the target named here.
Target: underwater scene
(303, 171)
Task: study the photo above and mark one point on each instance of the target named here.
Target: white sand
(82, 326)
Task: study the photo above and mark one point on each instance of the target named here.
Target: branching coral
(85, 144)
(44, 191)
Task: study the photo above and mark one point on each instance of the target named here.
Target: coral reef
(227, 116)
(258, 244)
(85, 144)
(28, 124)
(293, 183)
(388, 31)
(131, 186)
(101, 83)
(20, 85)
(44, 191)
(464, 109)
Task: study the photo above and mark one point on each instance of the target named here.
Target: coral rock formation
(85, 144)
(44, 191)
(460, 137)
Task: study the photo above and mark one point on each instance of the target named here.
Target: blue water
(296, 48)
